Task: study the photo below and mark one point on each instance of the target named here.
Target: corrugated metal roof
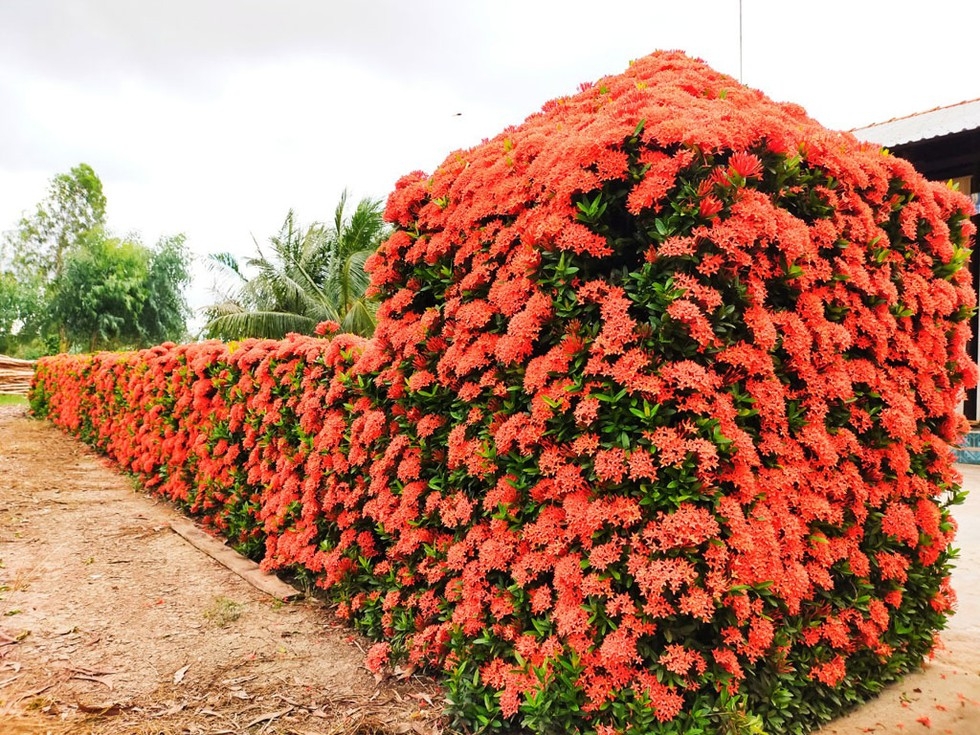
(923, 125)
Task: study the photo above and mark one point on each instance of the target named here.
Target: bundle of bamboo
(15, 375)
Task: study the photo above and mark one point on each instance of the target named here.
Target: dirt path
(110, 623)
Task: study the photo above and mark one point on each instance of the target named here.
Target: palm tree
(308, 277)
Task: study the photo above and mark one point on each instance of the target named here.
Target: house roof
(923, 125)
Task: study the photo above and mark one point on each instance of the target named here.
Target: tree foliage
(67, 284)
(309, 275)
(74, 205)
(116, 293)
(19, 305)
(164, 313)
(99, 292)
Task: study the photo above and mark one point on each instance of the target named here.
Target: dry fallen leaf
(238, 680)
(91, 672)
(268, 717)
(97, 679)
(404, 672)
(413, 727)
(106, 710)
(170, 711)
(179, 674)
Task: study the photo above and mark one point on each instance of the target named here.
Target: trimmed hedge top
(654, 434)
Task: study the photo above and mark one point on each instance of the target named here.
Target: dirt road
(112, 623)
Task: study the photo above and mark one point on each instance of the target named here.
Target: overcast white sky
(214, 117)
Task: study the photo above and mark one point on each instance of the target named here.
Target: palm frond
(224, 264)
(358, 277)
(338, 214)
(304, 276)
(221, 308)
(360, 318)
(263, 324)
(364, 231)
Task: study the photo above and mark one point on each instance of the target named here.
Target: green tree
(67, 284)
(310, 275)
(98, 295)
(19, 307)
(32, 258)
(164, 314)
(116, 293)
(74, 205)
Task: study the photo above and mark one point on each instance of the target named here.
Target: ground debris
(114, 606)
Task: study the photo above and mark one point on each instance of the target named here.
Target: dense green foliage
(67, 284)
(118, 293)
(74, 205)
(20, 306)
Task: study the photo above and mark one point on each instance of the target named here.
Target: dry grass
(226, 704)
(17, 724)
(222, 611)
(126, 629)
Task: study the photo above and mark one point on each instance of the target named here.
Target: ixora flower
(327, 328)
(654, 434)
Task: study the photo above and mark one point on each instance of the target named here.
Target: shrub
(654, 434)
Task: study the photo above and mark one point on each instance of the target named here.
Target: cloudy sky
(214, 117)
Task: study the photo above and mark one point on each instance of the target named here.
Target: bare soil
(111, 624)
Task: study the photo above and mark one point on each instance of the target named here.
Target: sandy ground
(110, 623)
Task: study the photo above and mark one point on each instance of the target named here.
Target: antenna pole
(740, 78)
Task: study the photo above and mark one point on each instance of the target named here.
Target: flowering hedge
(654, 434)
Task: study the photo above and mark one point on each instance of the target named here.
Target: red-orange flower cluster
(655, 429)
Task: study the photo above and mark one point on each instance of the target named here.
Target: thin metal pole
(740, 79)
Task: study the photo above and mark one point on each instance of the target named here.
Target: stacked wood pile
(15, 375)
